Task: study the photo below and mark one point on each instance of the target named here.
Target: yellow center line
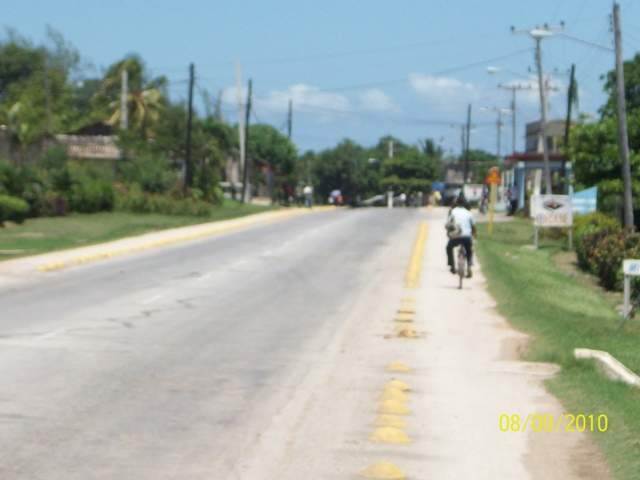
(412, 277)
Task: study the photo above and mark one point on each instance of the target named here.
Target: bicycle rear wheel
(462, 263)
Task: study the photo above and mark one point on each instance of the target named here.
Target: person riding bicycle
(460, 229)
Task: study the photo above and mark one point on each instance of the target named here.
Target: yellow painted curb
(211, 232)
(383, 471)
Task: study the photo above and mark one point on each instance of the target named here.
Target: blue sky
(353, 68)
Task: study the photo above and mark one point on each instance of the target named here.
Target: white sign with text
(551, 210)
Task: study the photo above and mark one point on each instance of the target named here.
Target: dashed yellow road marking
(393, 407)
(387, 420)
(412, 277)
(390, 435)
(398, 367)
(398, 384)
(383, 470)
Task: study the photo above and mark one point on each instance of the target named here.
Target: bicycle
(461, 264)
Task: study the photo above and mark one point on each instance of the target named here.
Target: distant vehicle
(450, 193)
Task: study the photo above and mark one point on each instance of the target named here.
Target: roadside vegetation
(562, 314)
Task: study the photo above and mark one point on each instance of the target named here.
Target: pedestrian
(308, 196)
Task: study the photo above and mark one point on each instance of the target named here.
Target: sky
(352, 69)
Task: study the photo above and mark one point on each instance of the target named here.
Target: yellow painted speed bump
(398, 384)
(398, 367)
(389, 435)
(393, 394)
(383, 471)
(406, 311)
(387, 420)
(393, 407)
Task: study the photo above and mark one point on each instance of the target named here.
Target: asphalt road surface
(259, 355)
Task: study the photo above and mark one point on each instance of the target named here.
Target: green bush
(134, 200)
(587, 232)
(90, 195)
(13, 209)
(152, 173)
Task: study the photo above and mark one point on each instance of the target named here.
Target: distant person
(308, 196)
(461, 229)
(437, 197)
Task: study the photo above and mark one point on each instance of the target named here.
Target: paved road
(170, 364)
(263, 354)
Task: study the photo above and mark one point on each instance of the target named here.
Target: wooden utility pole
(514, 126)
(623, 138)
(543, 118)
(47, 95)
(567, 127)
(247, 163)
(240, 127)
(188, 177)
(217, 111)
(290, 119)
(124, 96)
(466, 149)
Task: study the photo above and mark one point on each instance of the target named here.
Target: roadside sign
(473, 192)
(585, 201)
(551, 210)
(493, 178)
(631, 267)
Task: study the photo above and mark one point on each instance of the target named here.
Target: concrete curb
(611, 367)
(62, 259)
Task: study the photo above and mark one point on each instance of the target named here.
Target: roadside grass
(41, 235)
(562, 314)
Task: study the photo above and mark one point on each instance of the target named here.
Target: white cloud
(304, 97)
(443, 93)
(375, 100)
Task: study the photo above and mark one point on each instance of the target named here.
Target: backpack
(453, 229)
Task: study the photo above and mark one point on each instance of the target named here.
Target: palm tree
(145, 100)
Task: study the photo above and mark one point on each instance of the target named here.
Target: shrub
(152, 174)
(89, 195)
(54, 205)
(134, 200)
(588, 231)
(607, 256)
(13, 209)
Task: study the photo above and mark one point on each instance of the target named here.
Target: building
(524, 171)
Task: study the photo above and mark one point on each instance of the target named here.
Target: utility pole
(390, 148)
(466, 149)
(217, 111)
(124, 96)
(47, 94)
(188, 176)
(247, 164)
(514, 126)
(623, 139)
(571, 96)
(240, 125)
(290, 119)
(538, 34)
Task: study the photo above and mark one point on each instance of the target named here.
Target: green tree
(410, 172)
(146, 97)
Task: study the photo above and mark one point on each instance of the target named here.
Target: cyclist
(460, 229)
